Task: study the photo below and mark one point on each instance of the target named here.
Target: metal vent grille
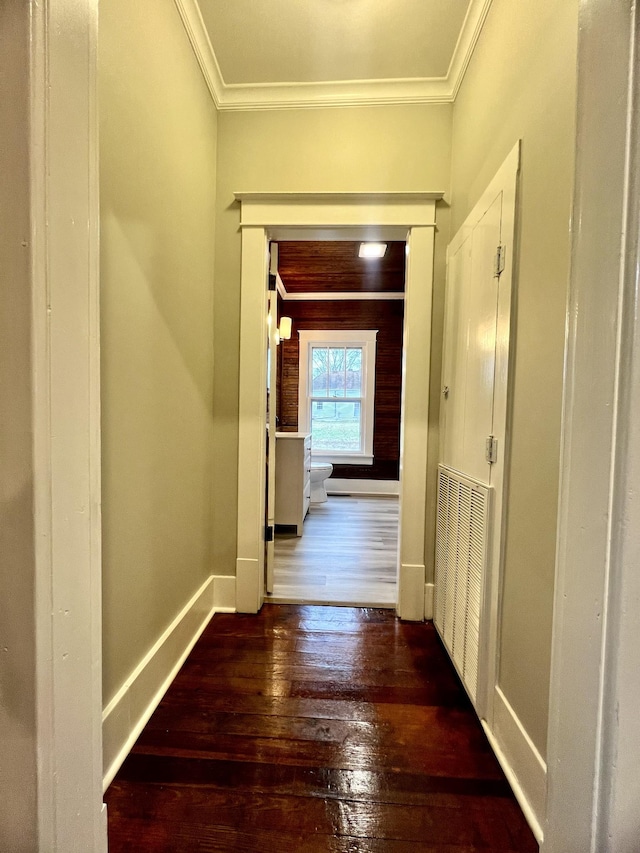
(461, 559)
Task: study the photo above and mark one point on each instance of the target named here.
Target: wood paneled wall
(334, 266)
(385, 316)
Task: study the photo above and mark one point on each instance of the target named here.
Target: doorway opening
(347, 556)
(337, 389)
(370, 217)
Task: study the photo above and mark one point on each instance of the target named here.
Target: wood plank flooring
(314, 730)
(347, 554)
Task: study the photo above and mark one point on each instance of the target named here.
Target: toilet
(320, 471)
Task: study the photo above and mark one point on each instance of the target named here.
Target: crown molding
(466, 44)
(385, 197)
(343, 93)
(193, 23)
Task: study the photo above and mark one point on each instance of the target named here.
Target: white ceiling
(282, 53)
(312, 41)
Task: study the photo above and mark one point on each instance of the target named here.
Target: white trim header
(342, 296)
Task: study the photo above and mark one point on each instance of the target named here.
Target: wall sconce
(284, 329)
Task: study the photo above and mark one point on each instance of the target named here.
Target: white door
(469, 365)
(473, 430)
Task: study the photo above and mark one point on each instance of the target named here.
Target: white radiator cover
(462, 550)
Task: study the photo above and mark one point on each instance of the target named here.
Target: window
(336, 394)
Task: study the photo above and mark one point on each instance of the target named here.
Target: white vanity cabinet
(293, 478)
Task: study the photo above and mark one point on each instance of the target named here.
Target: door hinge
(491, 450)
(268, 533)
(498, 268)
(272, 282)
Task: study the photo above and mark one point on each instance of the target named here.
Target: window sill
(337, 459)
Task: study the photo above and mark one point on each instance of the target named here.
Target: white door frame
(66, 424)
(345, 216)
(594, 726)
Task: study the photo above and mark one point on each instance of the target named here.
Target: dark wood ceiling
(312, 267)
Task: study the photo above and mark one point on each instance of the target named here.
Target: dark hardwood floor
(315, 730)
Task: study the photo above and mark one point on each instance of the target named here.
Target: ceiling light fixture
(372, 250)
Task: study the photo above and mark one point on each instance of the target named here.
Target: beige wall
(521, 84)
(17, 556)
(158, 155)
(349, 149)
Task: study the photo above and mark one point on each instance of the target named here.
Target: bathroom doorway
(338, 406)
(382, 216)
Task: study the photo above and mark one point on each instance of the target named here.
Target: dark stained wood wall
(387, 317)
(310, 266)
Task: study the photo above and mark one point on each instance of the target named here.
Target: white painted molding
(593, 746)
(343, 93)
(280, 284)
(249, 584)
(372, 233)
(199, 37)
(428, 601)
(467, 40)
(252, 426)
(324, 296)
(414, 433)
(339, 198)
(264, 216)
(342, 486)
(65, 340)
(411, 594)
(130, 709)
(523, 765)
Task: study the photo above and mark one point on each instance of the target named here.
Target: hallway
(314, 730)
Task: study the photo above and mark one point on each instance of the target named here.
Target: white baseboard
(249, 585)
(428, 602)
(337, 486)
(128, 712)
(523, 765)
(411, 592)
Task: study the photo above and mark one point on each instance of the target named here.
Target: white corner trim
(342, 486)
(249, 585)
(130, 709)
(411, 595)
(467, 40)
(524, 767)
(199, 37)
(428, 601)
(63, 798)
(280, 286)
(341, 93)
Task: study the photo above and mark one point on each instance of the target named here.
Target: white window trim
(366, 339)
